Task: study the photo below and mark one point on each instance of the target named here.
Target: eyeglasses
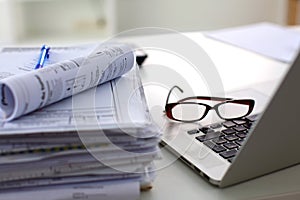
(186, 110)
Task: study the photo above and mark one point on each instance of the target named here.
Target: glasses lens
(232, 110)
(188, 111)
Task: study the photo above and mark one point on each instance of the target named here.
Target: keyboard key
(216, 148)
(231, 137)
(219, 140)
(239, 142)
(228, 154)
(239, 121)
(231, 145)
(192, 132)
(208, 136)
(252, 118)
(229, 124)
(206, 129)
(241, 134)
(229, 131)
(239, 128)
(248, 125)
(209, 144)
(214, 126)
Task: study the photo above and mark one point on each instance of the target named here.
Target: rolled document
(23, 93)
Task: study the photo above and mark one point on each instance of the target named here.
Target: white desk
(237, 68)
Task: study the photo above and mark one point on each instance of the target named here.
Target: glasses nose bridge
(214, 108)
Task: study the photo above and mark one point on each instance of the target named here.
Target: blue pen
(43, 56)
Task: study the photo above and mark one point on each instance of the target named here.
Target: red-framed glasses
(188, 110)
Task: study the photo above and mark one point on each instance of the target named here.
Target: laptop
(257, 145)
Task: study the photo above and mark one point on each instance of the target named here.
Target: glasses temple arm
(206, 98)
(171, 92)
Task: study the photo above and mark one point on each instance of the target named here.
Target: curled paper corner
(7, 102)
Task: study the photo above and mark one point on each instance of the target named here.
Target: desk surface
(176, 180)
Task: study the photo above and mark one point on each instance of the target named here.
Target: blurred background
(36, 21)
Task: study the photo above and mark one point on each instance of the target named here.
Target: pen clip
(43, 56)
(47, 49)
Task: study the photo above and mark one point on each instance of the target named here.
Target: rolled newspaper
(23, 93)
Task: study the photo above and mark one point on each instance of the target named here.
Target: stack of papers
(271, 40)
(97, 144)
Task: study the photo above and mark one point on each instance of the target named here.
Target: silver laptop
(270, 143)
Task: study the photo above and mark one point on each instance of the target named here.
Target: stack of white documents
(97, 144)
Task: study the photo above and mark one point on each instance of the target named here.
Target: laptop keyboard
(227, 137)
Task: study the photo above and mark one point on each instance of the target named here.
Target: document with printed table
(101, 136)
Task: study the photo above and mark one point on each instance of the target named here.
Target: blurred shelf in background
(69, 21)
(33, 21)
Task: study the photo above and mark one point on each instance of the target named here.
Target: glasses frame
(170, 106)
